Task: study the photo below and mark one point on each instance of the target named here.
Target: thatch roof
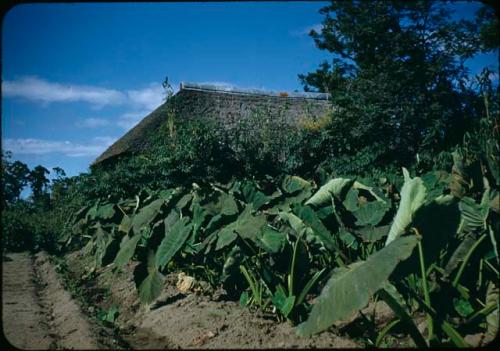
(221, 103)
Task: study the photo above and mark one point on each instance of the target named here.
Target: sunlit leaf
(127, 249)
(412, 198)
(350, 288)
(334, 187)
(146, 215)
(173, 241)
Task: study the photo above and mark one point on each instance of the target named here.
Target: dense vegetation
(310, 224)
(35, 222)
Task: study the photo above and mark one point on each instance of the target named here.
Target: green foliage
(316, 247)
(38, 182)
(151, 287)
(173, 241)
(395, 86)
(17, 229)
(35, 223)
(489, 25)
(14, 178)
(412, 198)
(202, 151)
(350, 288)
(109, 316)
(127, 249)
(270, 242)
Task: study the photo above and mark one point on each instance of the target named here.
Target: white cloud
(125, 121)
(35, 89)
(40, 90)
(67, 148)
(92, 123)
(148, 98)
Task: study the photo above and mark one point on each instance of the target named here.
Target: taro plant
(318, 255)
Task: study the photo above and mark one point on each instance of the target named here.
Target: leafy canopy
(398, 79)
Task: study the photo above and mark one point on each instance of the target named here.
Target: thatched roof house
(223, 104)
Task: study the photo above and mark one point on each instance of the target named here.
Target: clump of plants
(35, 222)
(318, 253)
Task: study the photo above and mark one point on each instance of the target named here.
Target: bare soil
(24, 323)
(39, 313)
(193, 320)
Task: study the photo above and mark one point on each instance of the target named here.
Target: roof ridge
(245, 91)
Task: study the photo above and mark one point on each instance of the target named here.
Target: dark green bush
(25, 228)
(16, 228)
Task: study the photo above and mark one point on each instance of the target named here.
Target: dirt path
(24, 324)
(37, 312)
(190, 320)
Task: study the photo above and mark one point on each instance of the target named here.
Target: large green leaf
(293, 184)
(309, 217)
(296, 223)
(127, 249)
(92, 212)
(125, 224)
(351, 202)
(215, 223)
(79, 227)
(254, 196)
(376, 193)
(492, 297)
(413, 196)
(350, 288)
(370, 213)
(283, 303)
(270, 240)
(105, 212)
(211, 233)
(152, 286)
(146, 215)
(347, 238)
(473, 215)
(232, 263)
(167, 194)
(226, 236)
(102, 241)
(183, 201)
(334, 187)
(199, 215)
(435, 183)
(371, 234)
(283, 202)
(300, 228)
(173, 241)
(221, 203)
(249, 225)
(459, 253)
(170, 220)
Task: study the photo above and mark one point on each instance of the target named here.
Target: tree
(60, 184)
(488, 22)
(38, 182)
(398, 80)
(15, 178)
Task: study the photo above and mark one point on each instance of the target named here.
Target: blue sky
(75, 77)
